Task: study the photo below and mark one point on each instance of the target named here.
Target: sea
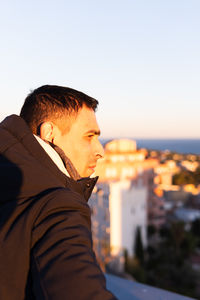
(175, 145)
(184, 146)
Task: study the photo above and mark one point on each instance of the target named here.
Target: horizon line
(151, 138)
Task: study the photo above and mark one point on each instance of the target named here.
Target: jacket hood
(26, 169)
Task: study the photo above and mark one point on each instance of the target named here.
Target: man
(47, 156)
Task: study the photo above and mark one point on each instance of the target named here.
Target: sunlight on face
(80, 143)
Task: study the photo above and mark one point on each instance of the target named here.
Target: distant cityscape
(185, 146)
(146, 214)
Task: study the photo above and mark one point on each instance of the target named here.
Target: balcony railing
(125, 289)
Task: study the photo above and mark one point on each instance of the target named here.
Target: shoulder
(64, 197)
(63, 200)
(61, 210)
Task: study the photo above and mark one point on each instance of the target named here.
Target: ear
(47, 131)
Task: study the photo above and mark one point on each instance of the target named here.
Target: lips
(92, 167)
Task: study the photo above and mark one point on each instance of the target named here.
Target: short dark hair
(52, 102)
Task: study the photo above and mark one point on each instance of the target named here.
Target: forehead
(85, 120)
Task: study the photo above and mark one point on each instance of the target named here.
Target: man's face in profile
(80, 143)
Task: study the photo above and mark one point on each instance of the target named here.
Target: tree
(138, 247)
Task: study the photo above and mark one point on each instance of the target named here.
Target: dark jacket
(45, 231)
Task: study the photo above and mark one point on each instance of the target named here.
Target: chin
(89, 173)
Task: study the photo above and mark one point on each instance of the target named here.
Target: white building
(128, 211)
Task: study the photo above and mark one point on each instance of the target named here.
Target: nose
(99, 150)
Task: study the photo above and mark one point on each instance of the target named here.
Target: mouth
(92, 168)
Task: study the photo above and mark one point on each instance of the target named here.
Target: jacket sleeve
(63, 264)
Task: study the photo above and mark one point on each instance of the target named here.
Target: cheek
(87, 150)
(79, 153)
(85, 154)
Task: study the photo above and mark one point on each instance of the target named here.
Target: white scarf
(53, 155)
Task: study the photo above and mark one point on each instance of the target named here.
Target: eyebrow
(95, 132)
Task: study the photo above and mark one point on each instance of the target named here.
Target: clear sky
(139, 58)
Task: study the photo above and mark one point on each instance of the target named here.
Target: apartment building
(120, 203)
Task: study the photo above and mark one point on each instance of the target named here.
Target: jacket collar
(83, 186)
(53, 155)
